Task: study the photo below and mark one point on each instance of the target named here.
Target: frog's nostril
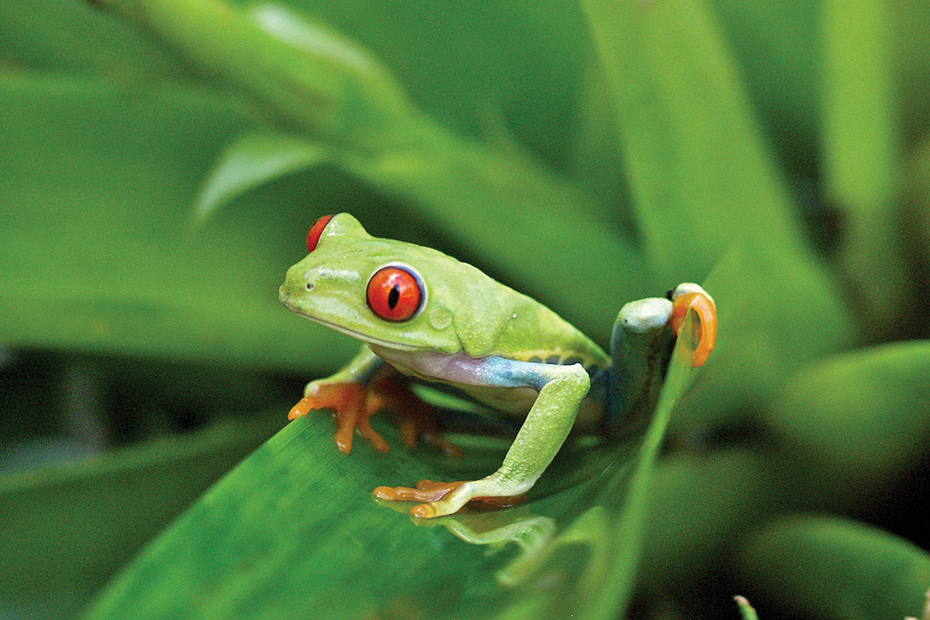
(309, 286)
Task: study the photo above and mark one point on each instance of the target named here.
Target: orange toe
(707, 313)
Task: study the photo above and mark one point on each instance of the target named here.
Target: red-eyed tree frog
(422, 315)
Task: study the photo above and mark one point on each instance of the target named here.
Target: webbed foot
(355, 403)
(692, 297)
(349, 402)
(434, 501)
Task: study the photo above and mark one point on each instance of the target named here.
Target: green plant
(161, 160)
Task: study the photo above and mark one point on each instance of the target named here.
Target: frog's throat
(366, 338)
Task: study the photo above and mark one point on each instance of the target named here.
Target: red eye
(313, 237)
(394, 294)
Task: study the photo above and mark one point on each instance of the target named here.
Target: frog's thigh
(640, 349)
(561, 390)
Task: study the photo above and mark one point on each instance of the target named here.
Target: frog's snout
(297, 284)
(290, 292)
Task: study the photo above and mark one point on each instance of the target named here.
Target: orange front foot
(355, 403)
(349, 401)
(706, 310)
(428, 491)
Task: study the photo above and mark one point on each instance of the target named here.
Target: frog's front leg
(561, 390)
(363, 387)
(346, 393)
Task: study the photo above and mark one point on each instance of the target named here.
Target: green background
(161, 161)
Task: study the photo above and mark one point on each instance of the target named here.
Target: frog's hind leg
(561, 389)
(641, 347)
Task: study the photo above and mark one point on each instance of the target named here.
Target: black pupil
(393, 296)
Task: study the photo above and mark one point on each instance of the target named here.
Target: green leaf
(95, 243)
(65, 531)
(251, 160)
(700, 173)
(862, 152)
(854, 421)
(826, 567)
(293, 528)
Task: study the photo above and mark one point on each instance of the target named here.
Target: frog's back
(492, 319)
(509, 324)
(541, 335)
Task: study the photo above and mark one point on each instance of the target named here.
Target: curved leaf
(294, 529)
(856, 420)
(826, 567)
(251, 160)
(685, 126)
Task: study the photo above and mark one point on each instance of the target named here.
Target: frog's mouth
(359, 335)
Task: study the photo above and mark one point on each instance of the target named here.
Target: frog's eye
(394, 294)
(313, 237)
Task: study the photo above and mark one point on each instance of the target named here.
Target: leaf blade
(685, 125)
(251, 160)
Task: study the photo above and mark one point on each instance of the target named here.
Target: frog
(422, 316)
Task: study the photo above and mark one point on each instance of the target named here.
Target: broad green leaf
(700, 173)
(294, 529)
(251, 160)
(95, 243)
(858, 419)
(65, 531)
(862, 151)
(827, 567)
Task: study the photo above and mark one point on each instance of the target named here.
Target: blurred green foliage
(160, 161)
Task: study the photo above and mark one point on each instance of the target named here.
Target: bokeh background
(161, 161)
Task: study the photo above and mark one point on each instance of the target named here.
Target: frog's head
(382, 292)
